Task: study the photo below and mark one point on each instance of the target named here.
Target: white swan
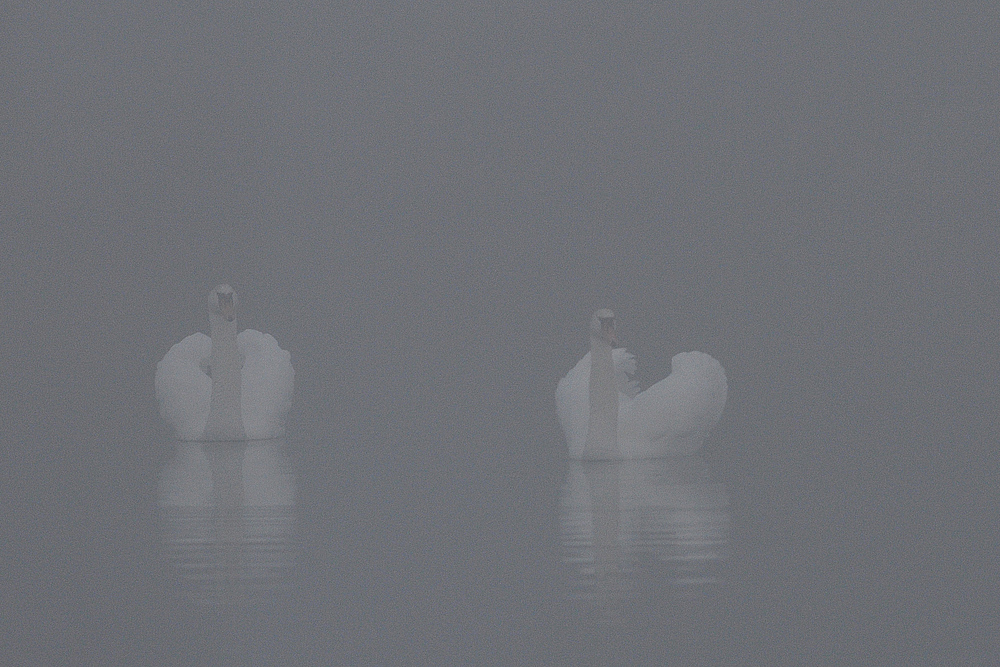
(605, 417)
(226, 387)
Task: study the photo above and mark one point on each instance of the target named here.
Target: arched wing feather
(686, 404)
(267, 383)
(183, 390)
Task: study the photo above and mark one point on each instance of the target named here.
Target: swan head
(222, 301)
(602, 327)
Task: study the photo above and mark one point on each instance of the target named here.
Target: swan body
(227, 386)
(605, 417)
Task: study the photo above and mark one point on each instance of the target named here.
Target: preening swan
(226, 387)
(606, 417)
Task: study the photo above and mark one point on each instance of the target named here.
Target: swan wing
(267, 383)
(573, 405)
(183, 390)
(678, 411)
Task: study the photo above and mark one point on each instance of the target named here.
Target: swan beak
(227, 307)
(608, 326)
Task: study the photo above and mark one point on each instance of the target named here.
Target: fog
(424, 204)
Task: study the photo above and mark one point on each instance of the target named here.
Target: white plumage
(258, 378)
(671, 417)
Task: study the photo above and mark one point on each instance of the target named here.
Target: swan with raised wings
(606, 417)
(227, 386)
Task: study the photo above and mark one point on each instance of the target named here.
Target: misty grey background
(424, 203)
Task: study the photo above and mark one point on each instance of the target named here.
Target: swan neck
(225, 416)
(602, 427)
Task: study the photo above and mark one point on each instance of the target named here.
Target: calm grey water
(425, 205)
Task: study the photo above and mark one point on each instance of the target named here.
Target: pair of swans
(239, 387)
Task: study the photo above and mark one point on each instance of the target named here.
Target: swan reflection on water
(227, 512)
(634, 528)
